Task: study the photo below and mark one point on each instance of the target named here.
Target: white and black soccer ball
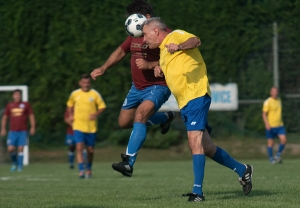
(133, 25)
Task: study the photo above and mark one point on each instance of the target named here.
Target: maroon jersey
(138, 49)
(18, 114)
(69, 128)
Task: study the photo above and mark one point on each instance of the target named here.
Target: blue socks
(80, 167)
(136, 140)
(270, 153)
(223, 158)
(71, 157)
(13, 157)
(280, 149)
(89, 166)
(157, 118)
(198, 168)
(20, 160)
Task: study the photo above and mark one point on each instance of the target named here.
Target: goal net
(5, 97)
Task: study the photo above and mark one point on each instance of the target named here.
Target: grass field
(154, 184)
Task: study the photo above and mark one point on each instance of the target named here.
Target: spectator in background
(271, 114)
(70, 140)
(17, 112)
(84, 106)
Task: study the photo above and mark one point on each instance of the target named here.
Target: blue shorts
(17, 138)
(87, 138)
(157, 94)
(70, 140)
(194, 114)
(274, 132)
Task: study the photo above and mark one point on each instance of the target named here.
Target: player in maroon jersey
(17, 112)
(147, 92)
(70, 138)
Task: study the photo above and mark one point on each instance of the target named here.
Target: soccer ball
(133, 25)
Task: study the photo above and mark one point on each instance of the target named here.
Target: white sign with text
(224, 98)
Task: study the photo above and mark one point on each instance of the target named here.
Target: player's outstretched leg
(135, 143)
(244, 171)
(164, 119)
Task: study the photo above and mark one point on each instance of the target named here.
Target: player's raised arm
(113, 59)
(190, 43)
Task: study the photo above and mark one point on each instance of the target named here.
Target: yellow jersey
(85, 104)
(185, 70)
(273, 109)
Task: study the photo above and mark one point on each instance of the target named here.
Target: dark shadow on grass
(84, 206)
(239, 193)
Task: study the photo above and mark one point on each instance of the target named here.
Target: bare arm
(113, 59)
(144, 65)
(189, 44)
(94, 116)
(3, 125)
(265, 119)
(68, 121)
(32, 124)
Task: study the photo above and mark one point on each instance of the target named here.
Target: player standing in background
(146, 95)
(184, 69)
(84, 106)
(17, 112)
(271, 114)
(70, 138)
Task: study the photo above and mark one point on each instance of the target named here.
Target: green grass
(154, 184)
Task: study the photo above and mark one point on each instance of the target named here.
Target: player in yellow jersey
(84, 106)
(271, 114)
(185, 72)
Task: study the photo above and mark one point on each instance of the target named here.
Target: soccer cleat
(88, 174)
(165, 127)
(278, 159)
(273, 162)
(20, 169)
(194, 197)
(246, 180)
(71, 166)
(13, 168)
(123, 167)
(81, 174)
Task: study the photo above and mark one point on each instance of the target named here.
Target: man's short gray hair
(156, 21)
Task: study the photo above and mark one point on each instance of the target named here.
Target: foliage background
(47, 45)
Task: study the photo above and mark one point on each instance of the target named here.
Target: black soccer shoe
(123, 167)
(165, 127)
(246, 180)
(194, 197)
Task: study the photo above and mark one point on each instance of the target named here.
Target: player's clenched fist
(158, 72)
(172, 48)
(97, 72)
(141, 63)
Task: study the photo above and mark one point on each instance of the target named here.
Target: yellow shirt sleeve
(266, 107)
(100, 102)
(71, 100)
(180, 36)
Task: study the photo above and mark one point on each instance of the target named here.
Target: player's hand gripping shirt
(18, 114)
(85, 104)
(184, 70)
(273, 109)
